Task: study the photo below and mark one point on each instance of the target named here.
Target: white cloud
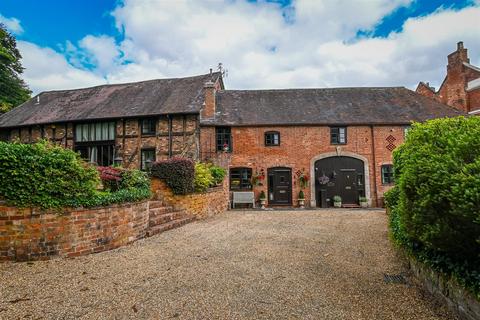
(316, 46)
(46, 69)
(13, 24)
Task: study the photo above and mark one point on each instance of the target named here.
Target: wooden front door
(280, 186)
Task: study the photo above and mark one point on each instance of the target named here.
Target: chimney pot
(460, 45)
(211, 71)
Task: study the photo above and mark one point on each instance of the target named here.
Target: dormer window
(272, 138)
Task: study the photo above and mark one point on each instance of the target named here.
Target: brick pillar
(208, 110)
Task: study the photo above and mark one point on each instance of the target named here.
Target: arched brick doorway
(339, 173)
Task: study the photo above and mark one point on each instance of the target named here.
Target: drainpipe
(169, 136)
(375, 191)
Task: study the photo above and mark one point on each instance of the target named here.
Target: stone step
(166, 217)
(153, 212)
(156, 204)
(168, 226)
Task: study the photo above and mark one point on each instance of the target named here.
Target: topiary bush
(218, 174)
(435, 205)
(203, 177)
(178, 173)
(43, 175)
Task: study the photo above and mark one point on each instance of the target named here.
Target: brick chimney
(457, 58)
(208, 110)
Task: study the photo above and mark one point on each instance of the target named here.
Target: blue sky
(97, 41)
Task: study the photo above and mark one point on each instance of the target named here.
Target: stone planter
(262, 203)
(337, 204)
(364, 204)
(301, 203)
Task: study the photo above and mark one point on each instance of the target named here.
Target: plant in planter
(263, 199)
(258, 177)
(302, 178)
(301, 199)
(337, 201)
(363, 202)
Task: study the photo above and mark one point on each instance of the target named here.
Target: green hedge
(46, 176)
(435, 205)
(43, 175)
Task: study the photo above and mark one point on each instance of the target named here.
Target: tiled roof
(146, 98)
(390, 105)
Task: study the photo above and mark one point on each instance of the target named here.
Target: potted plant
(337, 201)
(301, 199)
(263, 199)
(363, 202)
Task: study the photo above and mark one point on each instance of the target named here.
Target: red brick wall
(26, 234)
(201, 205)
(474, 100)
(300, 144)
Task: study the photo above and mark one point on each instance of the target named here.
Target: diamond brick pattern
(391, 146)
(391, 139)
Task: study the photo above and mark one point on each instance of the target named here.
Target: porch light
(118, 161)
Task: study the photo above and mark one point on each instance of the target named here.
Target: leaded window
(148, 126)
(224, 139)
(147, 158)
(387, 174)
(241, 179)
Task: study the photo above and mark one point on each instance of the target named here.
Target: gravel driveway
(322, 264)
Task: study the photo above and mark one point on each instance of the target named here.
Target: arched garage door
(342, 176)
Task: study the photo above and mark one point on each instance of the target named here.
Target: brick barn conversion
(341, 138)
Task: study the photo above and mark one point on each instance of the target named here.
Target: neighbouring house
(130, 124)
(461, 86)
(339, 141)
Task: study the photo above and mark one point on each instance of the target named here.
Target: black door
(280, 186)
(339, 176)
(347, 180)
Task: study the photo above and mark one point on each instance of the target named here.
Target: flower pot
(364, 204)
(301, 203)
(337, 204)
(262, 203)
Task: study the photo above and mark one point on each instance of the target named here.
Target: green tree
(13, 90)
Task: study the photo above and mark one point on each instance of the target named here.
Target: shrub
(104, 198)
(43, 175)
(178, 173)
(110, 177)
(203, 177)
(134, 178)
(218, 174)
(262, 195)
(435, 205)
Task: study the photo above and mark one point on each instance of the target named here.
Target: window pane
(240, 179)
(78, 133)
(111, 131)
(85, 132)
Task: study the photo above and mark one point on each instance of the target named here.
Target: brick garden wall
(27, 234)
(202, 205)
